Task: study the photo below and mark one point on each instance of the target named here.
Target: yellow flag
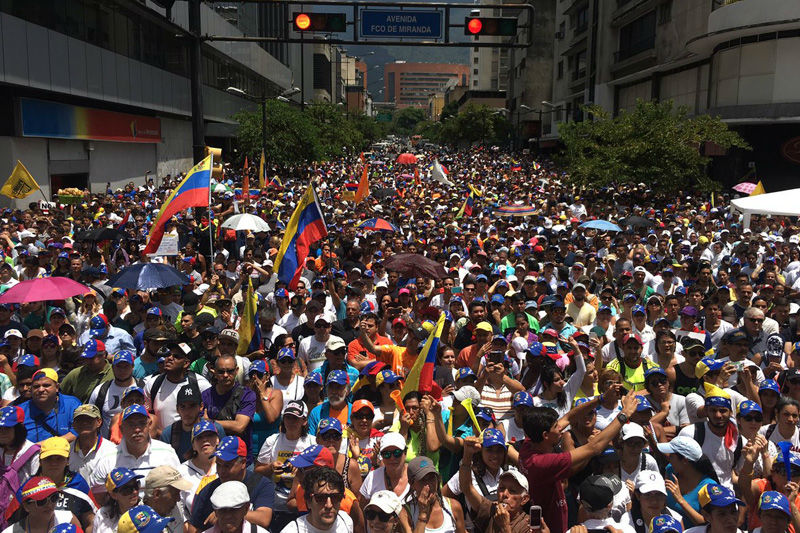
(759, 189)
(262, 177)
(20, 183)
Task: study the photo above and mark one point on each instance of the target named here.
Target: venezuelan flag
(515, 166)
(193, 191)
(306, 227)
(536, 166)
(249, 330)
(466, 208)
(420, 377)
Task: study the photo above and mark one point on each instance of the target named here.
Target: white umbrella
(220, 187)
(246, 221)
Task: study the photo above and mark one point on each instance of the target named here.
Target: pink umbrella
(745, 187)
(41, 289)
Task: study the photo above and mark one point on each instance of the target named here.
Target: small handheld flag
(20, 183)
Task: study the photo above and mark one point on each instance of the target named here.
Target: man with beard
(337, 388)
(324, 490)
(162, 389)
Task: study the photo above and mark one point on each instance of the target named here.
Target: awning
(785, 203)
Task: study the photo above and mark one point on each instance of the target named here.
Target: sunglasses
(386, 454)
(658, 381)
(753, 418)
(362, 416)
(128, 489)
(373, 514)
(224, 371)
(53, 499)
(322, 498)
(285, 361)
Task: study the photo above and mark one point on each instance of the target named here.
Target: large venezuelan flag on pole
(249, 329)
(306, 227)
(420, 377)
(193, 191)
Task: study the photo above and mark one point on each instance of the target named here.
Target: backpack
(160, 381)
(10, 482)
(102, 394)
(700, 437)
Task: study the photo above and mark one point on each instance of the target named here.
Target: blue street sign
(419, 24)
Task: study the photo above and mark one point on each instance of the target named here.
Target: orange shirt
(356, 348)
(347, 502)
(468, 357)
(340, 415)
(397, 357)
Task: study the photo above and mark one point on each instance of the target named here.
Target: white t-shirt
(649, 464)
(595, 523)
(606, 416)
(695, 401)
(343, 524)
(289, 321)
(158, 453)
(776, 436)
(513, 432)
(714, 448)
(279, 448)
(375, 481)
(193, 474)
(294, 391)
(165, 404)
(60, 517)
(111, 405)
(312, 351)
(85, 464)
(488, 479)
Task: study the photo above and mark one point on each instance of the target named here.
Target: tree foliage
(655, 143)
(323, 131)
(406, 119)
(474, 124)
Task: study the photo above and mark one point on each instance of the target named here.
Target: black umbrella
(415, 265)
(384, 193)
(638, 222)
(98, 234)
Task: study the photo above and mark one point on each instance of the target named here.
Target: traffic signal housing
(500, 26)
(323, 22)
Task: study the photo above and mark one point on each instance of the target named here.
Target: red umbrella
(42, 289)
(407, 159)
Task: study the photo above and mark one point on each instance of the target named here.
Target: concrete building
(490, 66)
(410, 84)
(99, 92)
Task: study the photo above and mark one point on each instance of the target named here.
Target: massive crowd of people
(639, 378)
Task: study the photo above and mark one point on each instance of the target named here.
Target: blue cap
(465, 372)
(643, 404)
(281, 293)
(142, 519)
(66, 528)
(63, 255)
(28, 360)
(387, 376)
(314, 455)
(628, 296)
(314, 377)
(535, 349)
(132, 390)
(773, 500)
(603, 308)
(204, 426)
(339, 377)
(657, 370)
(329, 424)
(57, 311)
(749, 406)
(769, 384)
(717, 495)
(92, 348)
(11, 415)
(481, 277)
(493, 437)
(664, 523)
(558, 304)
(122, 356)
(258, 366)
(135, 409)
(368, 274)
(97, 326)
(155, 311)
(230, 448)
(498, 299)
(522, 398)
(638, 309)
(500, 338)
(119, 477)
(286, 352)
(485, 413)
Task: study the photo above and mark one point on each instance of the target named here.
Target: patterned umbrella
(745, 187)
(515, 211)
(378, 224)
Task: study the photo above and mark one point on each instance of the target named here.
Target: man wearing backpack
(229, 403)
(162, 389)
(717, 435)
(108, 395)
(81, 381)
(190, 409)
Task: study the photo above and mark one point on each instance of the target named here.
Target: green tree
(406, 119)
(291, 135)
(655, 143)
(450, 109)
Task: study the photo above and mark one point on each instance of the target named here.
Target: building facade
(411, 84)
(98, 92)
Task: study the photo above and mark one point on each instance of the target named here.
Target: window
(562, 29)
(474, 83)
(638, 36)
(665, 12)
(560, 73)
(582, 20)
(579, 68)
(474, 60)
(474, 72)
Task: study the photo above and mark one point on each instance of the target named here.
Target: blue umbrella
(146, 276)
(602, 225)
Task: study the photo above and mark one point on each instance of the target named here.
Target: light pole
(284, 97)
(527, 110)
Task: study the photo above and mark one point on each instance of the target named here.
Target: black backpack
(700, 437)
(100, 401)
(160, 381)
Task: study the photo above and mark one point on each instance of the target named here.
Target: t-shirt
(634, 377)
(343, 524)
(545, 471)
(111, 405)
(397, 357)
(279, 448)
(260, 488)
(312, 351)
(246, 405)
(490, 481)
(165, 404)
(714, 448)
(513, 432)
(375, 481)
(80, 382)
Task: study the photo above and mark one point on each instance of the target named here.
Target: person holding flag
(306, 227)
(249, 329)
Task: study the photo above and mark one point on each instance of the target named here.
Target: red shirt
(545, 471)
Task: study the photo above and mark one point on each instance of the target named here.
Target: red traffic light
(302, 21)
(474, 26)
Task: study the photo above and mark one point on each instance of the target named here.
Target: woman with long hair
(669, 409)
(362, 438)
(769, 393)
(391, 472)
(688, 471)
(269, 403)
(382, 513)
(39, 497)
(749, 420)
(611, 391)
(312, 390)
(426, 509)
(785, 428)
(273, 458)
(649, 501)
(201, 461)
(558, 393)
(89, 307)
(18, 452)
(665, 345)
(285, 379)
(329, 434)
(123, 494)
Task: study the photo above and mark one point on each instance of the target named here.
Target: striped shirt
(498, 401)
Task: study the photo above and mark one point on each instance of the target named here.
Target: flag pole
(210, 234)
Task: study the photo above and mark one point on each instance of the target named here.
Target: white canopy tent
(786, 203)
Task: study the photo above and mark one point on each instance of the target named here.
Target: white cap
(393, 440)
(13, 333)
(381, 284)
(230, 494)
(632, 431)
(327, 317)
(467, 391)
(682, 445)
(387, 501)
(520, 346)
(640, 269)
(517, 475)
(650, 481)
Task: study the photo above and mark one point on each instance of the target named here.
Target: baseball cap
(37, 488)
(665, 523)
(387, 501)
(98, 325)
(135, 409)
(748, 406)
(718, 496)
(773, 500)
(630, 337)
(155, 311)
(87, 409)
(493, 437)
(467, 391)
(315, 378)
(66, 528)
(650, 481)
(92, 348)
(230, 334)
(231, 448)
(230, 495)
(362, 404)
(259, 366)
(682, 445)
(315, 455)
(689, 310)
(54, 446)
(595, 494)
(419, 467)
(13, 333)
(298, 409)
(166, 476)
(706, 365)
(638, 310)
(142, 519)
(25, 360)
(335, 343)
(132, 390)
(522, 398)
(203, 426)
(769, 384)
(123, 356)
(465, 372)
(392, 440)
(11, 415)
(484, 326)
(189, 394)
(285, 352)
(518, 477)
(120, 477)
(329, 424)
(632, 431)
(339, 377)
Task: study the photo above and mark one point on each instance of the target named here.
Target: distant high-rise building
(411, 84)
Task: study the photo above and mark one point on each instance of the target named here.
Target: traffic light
(502, 26)
(324, 22)
(216, 167)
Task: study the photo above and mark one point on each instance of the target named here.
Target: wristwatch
(623, 418)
